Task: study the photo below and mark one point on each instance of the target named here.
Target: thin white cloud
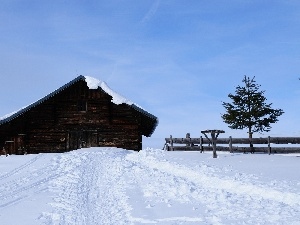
(151, 12)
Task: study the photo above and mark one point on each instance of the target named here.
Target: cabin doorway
(16, 145)
(82, 139)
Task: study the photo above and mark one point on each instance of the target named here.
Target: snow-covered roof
(92, 83)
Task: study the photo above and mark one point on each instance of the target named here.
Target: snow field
(115, 186)
(229, 200)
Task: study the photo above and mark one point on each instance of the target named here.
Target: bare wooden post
(188, 135)
(201, 144)
(230, 144)
(214, 144)
(269, 145)
(171, 143)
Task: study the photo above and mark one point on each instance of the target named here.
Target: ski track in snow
(93, 193)
(113, 186)
(21, 187)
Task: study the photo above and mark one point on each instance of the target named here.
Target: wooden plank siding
(58, 124)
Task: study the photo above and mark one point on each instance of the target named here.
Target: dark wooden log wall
(57, 124)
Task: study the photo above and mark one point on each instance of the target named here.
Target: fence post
(201, 144)
(188, 135)
(171, 143)
(230, 144)
(269, 145)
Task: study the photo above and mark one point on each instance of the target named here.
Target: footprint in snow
(149, 206)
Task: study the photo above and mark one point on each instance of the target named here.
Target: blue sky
(177, 59)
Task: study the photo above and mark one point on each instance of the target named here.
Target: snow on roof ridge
(94, 83)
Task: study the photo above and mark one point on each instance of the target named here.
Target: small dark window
(82, 106)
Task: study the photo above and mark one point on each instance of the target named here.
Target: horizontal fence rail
(204, 144)
(273, 140)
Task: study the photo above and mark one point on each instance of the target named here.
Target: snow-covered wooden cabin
(83, 113)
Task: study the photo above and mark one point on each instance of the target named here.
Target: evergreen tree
(249, 109)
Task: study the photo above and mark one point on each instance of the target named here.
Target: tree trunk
(250, 140)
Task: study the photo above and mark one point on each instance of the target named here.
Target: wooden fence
(231, 144)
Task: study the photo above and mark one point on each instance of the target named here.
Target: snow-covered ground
(113, 186)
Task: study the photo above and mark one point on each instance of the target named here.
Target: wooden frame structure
(213, 141)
